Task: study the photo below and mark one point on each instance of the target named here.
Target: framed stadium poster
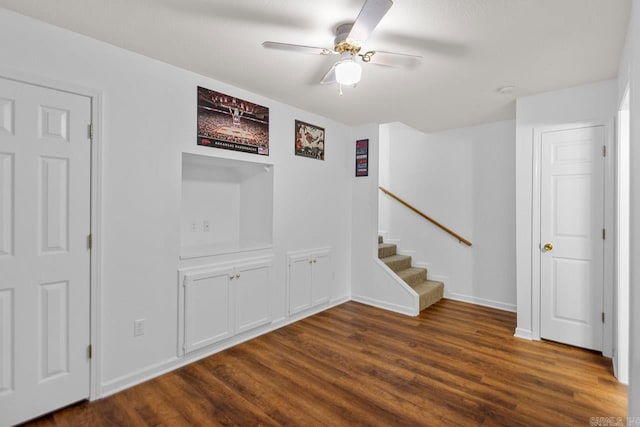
(362, 157)
(309, 141)
(232, 123)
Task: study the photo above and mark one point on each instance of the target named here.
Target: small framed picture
(362, 157)
(309, 140)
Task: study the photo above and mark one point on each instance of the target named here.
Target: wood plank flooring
(455, 364)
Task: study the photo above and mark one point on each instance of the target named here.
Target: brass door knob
(548, 247)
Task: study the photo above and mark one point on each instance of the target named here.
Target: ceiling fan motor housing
(341, 45)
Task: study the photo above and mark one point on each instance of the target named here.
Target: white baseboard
(525, 334)
(409, 311)
(479, 301)
(149, 372)
(406, 252)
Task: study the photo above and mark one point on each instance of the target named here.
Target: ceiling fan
(348, 43)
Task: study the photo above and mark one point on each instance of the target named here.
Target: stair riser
(399, 265)
(414, 278)
(431, 297)
(387, 251)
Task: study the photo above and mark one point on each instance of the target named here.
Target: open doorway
(621, 263)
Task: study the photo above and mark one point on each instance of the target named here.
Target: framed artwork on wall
(309, 140)
(362, 157)
(232, 123)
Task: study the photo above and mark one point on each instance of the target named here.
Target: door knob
(548, 247)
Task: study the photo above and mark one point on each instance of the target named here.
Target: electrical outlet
(205, 225)
(193, 226)
(138, 327)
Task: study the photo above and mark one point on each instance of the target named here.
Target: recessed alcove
(227, 206)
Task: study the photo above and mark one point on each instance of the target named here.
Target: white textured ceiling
(470, 48)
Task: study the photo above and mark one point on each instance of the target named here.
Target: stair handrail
(427, 217)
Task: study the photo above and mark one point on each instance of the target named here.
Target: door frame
(95, 259)
(608, 283)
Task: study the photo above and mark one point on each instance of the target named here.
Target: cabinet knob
(310, 261)
(314, 261)
(237, 276)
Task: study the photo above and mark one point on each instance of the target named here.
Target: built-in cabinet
(309, 279)
(219, 301)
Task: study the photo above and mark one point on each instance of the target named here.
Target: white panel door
(207, 307)
(299, 283)
(320, 277)
(572, 248)
(45, 155)
(251, 285)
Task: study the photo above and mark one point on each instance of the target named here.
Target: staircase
(430, 291)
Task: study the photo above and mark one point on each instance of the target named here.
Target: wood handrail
(427, 217)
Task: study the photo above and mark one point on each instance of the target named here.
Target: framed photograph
(232, 123)
(309, 140)
(362, 157)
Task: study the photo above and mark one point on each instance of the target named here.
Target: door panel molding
(7, 125)
(608, 221)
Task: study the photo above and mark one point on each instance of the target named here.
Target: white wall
(594, 102)
(464, 179)
(148, 119)
(372, 283)
(629, 75)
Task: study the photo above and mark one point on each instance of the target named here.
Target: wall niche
(227, 206)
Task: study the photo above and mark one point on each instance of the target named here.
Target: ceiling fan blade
(297, 48)
(330, 77)
(390, 59)
(369, 17)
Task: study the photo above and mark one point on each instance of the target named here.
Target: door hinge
(89, 241)
(604, 234)
(89, 351)
(90, 131)
(603, 317)
(604, 151)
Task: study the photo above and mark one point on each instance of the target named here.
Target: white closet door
(45, 155)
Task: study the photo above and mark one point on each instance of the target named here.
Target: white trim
(535, 236)
(168, 365)
(524, 334)
(95, 364)
(608, 267)
(409, 311)
(481, 301)
(535, 226)
(408, 289)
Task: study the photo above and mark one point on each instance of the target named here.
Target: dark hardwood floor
(455, 364)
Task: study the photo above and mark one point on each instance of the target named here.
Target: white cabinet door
(299, 283)
(207, 307)
(251, 284)
(320, 277)
(218, 301)
(309, 279)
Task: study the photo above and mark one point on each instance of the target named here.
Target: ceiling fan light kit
(348, 71)
(348, 43)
